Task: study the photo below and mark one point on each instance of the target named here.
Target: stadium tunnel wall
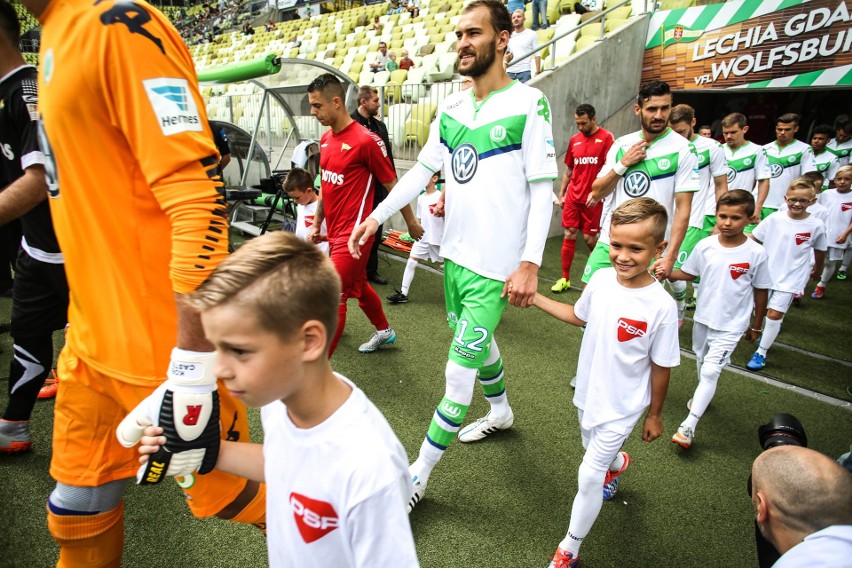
(607, 76)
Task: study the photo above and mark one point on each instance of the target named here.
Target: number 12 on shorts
(476, 344)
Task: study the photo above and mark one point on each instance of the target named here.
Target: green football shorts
(474, 309)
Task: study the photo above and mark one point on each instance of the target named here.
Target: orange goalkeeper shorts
(86, 452)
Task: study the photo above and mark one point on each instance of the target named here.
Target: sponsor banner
(752, 44)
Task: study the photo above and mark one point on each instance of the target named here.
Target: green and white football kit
(746, 167)
(827, 164)
(702, 216)
(669, 167)
(840, 149)
(499, 162)
(785, 164)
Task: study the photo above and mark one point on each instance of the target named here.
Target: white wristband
(619, 168)
(192, 368)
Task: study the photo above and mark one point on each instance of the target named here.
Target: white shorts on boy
(603, 442)
(711, 345)
(779, 301)
(426, 251)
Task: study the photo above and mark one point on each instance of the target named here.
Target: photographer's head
(797, 492)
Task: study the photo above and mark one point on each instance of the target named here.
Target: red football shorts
(578, 216)
(352, 271)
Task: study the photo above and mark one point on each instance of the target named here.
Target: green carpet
(506, 501)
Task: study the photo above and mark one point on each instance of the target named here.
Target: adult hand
(635, 154)
(360, 236)
(523, 283)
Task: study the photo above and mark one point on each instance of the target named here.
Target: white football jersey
(729, 276)
(785, 164)
(790, 243)
(839, 207)
(490, 151)
(669, 167)
(336, 493)
(627, 329)
(433, 227)
(711, 164)
(305, 221)
(827, 164)
(840, 149)
(746, 166)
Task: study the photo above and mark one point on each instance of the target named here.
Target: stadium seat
(413, 87)
(395, 120)
(444, 68)
(584, 42)
(613, 24)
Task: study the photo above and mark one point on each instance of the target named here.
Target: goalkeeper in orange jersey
(133, 184)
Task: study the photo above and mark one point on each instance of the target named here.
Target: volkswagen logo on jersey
(637, 183)
(776, 170)
(732, 173)
(464, 162)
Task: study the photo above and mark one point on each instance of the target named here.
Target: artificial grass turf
(505, 501)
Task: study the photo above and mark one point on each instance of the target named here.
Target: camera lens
(782, 430)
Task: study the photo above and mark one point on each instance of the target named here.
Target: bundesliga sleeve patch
(173, 105)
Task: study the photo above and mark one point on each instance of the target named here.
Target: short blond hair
(640, 209)
(283, 280)
(803, 184)
(847, 169)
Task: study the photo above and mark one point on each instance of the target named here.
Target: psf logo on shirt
(173, 105)
(845, 207)
(630, 329)
(738, 270)
(802, 238)
(314, 518)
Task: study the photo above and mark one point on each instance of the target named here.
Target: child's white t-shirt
(433, 227)
(305, 222)
(839, 206)
(626, 329)
(337, 492)
(816, 209)
(789, 244)
(729, 276)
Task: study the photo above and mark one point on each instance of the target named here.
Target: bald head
(805, 490)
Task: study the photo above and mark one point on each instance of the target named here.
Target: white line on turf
(733, 368)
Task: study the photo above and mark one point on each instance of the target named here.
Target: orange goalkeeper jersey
(131, 162)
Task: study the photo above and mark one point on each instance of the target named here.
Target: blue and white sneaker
(610, 489)
(757, 362)
(383, 337)
(418, 489)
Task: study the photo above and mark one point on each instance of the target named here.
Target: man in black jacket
(365, 114)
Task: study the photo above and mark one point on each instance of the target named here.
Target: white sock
(847, 259)
(827, 272)
(617, 463)
(408, 275)
(708, 378)
(771, 329)
(500, 408)
(586, 508)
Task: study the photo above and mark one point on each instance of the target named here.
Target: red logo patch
(309, 221)
(802, 238)
(738, 270)
(629, 329)
(314, 519)
(192, 415)
(845, 206)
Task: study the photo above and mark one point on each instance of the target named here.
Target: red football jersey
(351, 161)
(586, 155)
